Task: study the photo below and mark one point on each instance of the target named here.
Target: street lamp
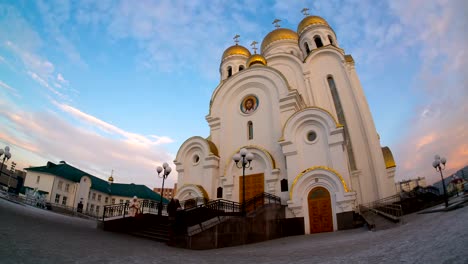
(439, 165)
(6, 156)
(164, 175)
(246, 158)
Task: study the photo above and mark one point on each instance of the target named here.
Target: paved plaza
(32, 235)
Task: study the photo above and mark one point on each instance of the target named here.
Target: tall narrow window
(250, 129)
(342, 120)
(241, 67)
(306, 46)
(219, 192)
(284, 185)
(229, 70)
(318, 41)
(331, 40)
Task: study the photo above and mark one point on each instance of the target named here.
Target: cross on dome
(253, 46)
(276, 22)
(304, 11)
(236, 39)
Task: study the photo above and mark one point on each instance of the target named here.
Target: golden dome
(388, 157)
(256, 59)
(236, 50)
(311, 20)
(279, 34)
(111, 179)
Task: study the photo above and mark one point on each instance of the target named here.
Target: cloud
(55, 15)
(173, 35)
(53, 137)
(9, 89)
(40, 70)
(61, 79)
(131, 138)
(439, 124)
(45, 84)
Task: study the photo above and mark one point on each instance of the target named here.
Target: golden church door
(320, 211)
(254, 184)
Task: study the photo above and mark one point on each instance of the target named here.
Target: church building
(299, 108)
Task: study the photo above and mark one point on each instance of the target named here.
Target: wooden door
(254, 184)
(320, 211)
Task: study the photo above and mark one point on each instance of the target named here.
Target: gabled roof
(71, 173)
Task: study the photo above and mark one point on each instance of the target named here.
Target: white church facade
(299, 107)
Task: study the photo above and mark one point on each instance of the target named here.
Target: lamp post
(166, 170)
(6, 156)
(439, 165)
(242, 160)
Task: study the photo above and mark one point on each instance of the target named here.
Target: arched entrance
(320, 210)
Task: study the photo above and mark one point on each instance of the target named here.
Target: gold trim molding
(317, 168)
(266, 152)
(196, 186)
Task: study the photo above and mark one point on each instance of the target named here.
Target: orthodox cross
(236, 38)
(253, 46)
(304, 11)
(276, 22)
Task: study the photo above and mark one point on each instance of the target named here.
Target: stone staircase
(158, 232)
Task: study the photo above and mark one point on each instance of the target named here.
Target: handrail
(387, 207)
(122, 209)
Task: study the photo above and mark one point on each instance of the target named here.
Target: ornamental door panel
(320, 211)
(254, 185)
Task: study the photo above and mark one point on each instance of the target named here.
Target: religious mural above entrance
(249, 104)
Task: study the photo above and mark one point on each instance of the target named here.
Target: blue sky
(122, 84)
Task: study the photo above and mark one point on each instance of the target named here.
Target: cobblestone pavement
(32, 235)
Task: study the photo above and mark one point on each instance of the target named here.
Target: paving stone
(32, 235)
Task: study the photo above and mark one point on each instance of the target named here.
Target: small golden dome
(111, 179)
(279, 34)
(311, 20)
(256, 59)
(236, 50)
(388, 157)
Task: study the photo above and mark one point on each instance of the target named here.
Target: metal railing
(122, 209)
(388, 207)
(260, 200)
(221, 207)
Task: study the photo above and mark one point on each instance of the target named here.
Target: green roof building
(68, 186)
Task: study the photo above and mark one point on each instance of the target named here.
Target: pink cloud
(56, 138)
(129, 137)
(440, 124)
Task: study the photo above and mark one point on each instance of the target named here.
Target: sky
(120, 85)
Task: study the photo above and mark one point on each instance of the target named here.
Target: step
(152, 236)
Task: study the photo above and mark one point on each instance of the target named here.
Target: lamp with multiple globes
(439, 165)
(243, 160)
(165, 170)
(6, 156)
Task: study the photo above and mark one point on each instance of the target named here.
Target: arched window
(219, 192)
(284, 185)
(250, 129)
(342, 120)
(229, 70)
(306, 46)
(331, 40)
(318, 41)
(241, 67)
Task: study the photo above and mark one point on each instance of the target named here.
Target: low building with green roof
(66, 185)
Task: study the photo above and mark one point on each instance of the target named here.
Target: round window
(196, 159)
(311, 136)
